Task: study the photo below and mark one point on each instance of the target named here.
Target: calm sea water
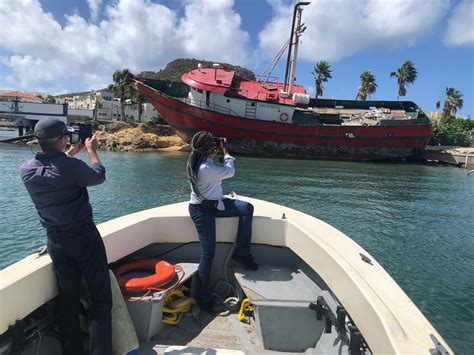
(417, 221)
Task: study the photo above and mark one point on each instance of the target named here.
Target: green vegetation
(405, 75)
(72, 94)
(321, 73)
(175, 69)
(367, 85)
(452, 130)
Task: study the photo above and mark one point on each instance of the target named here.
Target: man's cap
(51, 128)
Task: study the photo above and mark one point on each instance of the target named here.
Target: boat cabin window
(208, 98)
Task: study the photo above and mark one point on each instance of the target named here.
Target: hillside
(178, 67)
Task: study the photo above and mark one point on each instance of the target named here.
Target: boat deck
(207, 332)
(281, 295)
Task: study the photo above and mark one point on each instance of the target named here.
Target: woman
(207, 203)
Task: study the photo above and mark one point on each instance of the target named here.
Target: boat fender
(302, 99)
(164, 272)
(284, 116)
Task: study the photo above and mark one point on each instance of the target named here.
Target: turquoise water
(417, 221)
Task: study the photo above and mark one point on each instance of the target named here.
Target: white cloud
(338, 29)
(94, 7)
(40, 54)
(460, 31)
(212, 28)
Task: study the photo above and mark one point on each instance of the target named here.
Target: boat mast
(296, 31)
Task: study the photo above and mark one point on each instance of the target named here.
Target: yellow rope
(245, 306)
(175, 304)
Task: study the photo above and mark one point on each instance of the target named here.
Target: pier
(458, 156)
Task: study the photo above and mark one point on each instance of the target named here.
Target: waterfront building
(106, 108)
(435, 117)
(19, 96)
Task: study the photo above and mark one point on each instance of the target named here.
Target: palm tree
(321, 73)
(119, 88)
(367, 86)
(50, 99)
(138, 99)
(452, 102)
(405, 75)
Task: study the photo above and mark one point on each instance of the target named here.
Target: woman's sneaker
(246, 261)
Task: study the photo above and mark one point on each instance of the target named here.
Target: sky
(61, 46)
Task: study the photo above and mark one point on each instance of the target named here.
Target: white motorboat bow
(316, 291)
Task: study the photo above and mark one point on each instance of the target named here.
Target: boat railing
(268, 79)
(211, 106)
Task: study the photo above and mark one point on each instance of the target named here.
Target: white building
(107, 107)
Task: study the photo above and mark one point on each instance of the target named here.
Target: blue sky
(59, 46)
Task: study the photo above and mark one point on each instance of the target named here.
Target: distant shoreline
(145, 137)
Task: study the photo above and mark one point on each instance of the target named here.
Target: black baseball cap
(51, 128)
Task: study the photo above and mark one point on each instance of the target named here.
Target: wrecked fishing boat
(265, 117)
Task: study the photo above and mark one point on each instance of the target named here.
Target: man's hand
(75, 149)
(92, 144)
(224, 146)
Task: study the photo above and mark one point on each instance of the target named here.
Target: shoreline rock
(144, 137)
(123, 137)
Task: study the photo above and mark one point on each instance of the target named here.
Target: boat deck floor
(281, 295)
(208, 332)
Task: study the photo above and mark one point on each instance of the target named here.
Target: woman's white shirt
(209, 180)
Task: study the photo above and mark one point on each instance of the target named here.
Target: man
(57, 183)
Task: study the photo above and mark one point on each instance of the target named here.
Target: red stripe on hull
(252, 136)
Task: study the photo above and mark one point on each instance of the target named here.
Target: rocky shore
(144, 137)
(125, 137)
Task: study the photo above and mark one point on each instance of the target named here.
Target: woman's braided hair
(202, 144)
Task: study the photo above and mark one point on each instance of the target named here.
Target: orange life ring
(283, 116)
(164, 272)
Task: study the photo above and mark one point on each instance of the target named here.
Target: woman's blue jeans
(205, 221)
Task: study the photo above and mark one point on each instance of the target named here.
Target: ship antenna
(294, 37)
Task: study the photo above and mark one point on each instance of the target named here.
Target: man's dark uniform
(58, 185)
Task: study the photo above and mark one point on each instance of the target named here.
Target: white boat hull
(388, 320)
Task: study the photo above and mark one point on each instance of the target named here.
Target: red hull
(269, 138)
